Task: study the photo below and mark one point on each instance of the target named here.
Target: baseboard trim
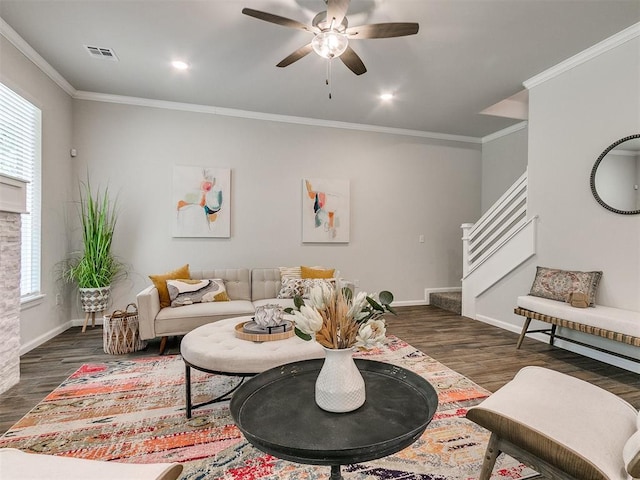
(579, 349)
(36, 342)
(79, 322)
(429, 291)
(408, 303)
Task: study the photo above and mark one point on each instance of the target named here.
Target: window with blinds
(20, 137)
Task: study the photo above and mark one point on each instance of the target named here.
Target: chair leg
(490, 456)
(525, 327)
(163, 345)
(552, 336)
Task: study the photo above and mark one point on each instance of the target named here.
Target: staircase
(450, 301)
(497, 244)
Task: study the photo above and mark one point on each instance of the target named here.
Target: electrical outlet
(58, 299)
(421, 239)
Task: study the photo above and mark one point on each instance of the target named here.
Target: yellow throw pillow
(160, 282)
(308, 272)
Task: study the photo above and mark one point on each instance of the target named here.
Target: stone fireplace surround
(12, 205)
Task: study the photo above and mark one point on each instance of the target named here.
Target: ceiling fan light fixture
(180, 65)
(330, 44)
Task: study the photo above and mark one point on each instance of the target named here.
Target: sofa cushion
(177, 321)
(188, 291)
(160, 282)
(236, 281)
(265, 283)
(557, 284)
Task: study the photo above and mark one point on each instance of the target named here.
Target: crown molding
(230, 112)
(27, 50)
(598, 49)
(505, 131)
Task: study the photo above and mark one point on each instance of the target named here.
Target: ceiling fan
(331, 34)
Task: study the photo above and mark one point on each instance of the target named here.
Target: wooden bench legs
(527, 321)
(551, 332)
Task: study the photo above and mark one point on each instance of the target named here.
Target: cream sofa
(246, 289)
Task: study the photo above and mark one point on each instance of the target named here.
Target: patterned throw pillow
(301, 286)
(187, 292)
(309, 283)
(160, 282)
(557, 284)
(290, 272)
(291, 287)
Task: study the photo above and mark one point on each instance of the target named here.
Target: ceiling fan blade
(278, 20)
(295, 56)
(382, 30)
(337, 9)
(353, 61)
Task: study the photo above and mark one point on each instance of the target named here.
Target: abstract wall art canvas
(201, 202)
(325, 210)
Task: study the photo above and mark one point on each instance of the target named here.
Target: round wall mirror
(615, 177)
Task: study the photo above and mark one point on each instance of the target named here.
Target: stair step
(450, 301)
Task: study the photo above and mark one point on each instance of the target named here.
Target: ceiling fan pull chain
(328, 81)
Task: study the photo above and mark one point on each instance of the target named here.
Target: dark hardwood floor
(483, 353)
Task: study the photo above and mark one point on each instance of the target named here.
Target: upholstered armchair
(563, 427)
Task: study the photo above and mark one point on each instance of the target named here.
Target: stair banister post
(466, 228)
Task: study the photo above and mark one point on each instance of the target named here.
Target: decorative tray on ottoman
(255, 333)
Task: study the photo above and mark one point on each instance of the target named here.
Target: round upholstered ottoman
(214, 348)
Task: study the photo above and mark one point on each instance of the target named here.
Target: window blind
(20, 157)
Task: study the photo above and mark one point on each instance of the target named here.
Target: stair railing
(501, 222)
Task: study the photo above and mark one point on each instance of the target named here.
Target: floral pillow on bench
(557, 284)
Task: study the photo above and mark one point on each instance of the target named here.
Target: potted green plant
(95, 268)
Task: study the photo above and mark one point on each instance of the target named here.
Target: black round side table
(277, 413)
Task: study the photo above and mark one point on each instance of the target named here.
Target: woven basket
(120, 332)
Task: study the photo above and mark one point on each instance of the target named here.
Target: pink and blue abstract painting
(201, 202)
(325, 210)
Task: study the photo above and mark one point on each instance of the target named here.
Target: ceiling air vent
(101, 52)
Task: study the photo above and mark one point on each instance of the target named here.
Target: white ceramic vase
(340, 386)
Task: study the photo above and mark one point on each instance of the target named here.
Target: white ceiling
(468, 54)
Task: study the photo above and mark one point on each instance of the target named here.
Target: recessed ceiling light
(386, 96)
(179, 65)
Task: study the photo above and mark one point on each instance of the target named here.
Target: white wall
(573, 117)
(44, 319)
(401, 187)
(504, 160)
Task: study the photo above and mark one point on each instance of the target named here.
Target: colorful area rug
(133, 411)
